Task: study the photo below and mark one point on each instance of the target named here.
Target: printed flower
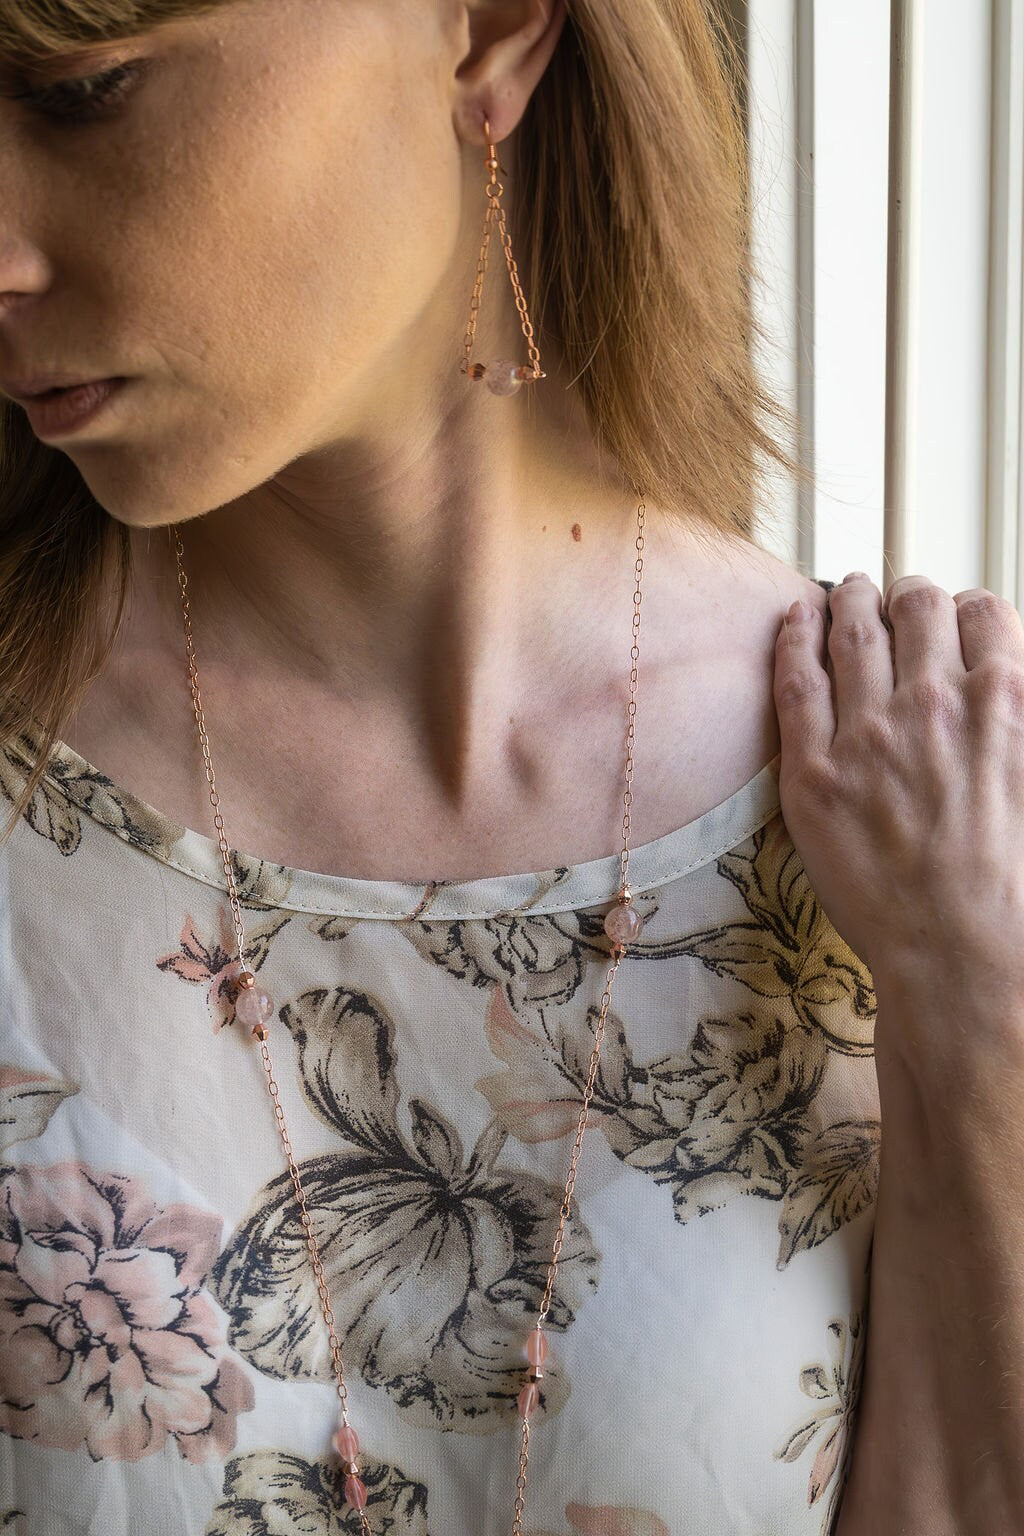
(732, 1115)
(838, 1179)
(537, 1096)
(269, 1493)
(538, 960)
(214, 963)
(27, 1100)
(66, 785)
(331, 927)
(70, 785)
(436, 1261)
(790, 950)
(611, 1520)
(840, 1399)
(107, 1338)
(260, 883)
(733, 1111)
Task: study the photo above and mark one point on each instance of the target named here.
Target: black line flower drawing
(538, 960)
(65, 788)
(269, 1493)
(436, 1261)
(732, 1115)
(790, 950)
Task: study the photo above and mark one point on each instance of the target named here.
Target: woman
(339, 1287)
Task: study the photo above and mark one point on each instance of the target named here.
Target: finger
(858, 645)
(988, 626)
(926, 639)
(802, 688)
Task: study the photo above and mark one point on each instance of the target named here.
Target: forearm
(939, 1442)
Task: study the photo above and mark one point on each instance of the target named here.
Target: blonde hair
(634, 249)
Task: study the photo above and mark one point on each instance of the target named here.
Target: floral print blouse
(164, 1365)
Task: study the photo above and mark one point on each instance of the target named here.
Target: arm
(902, 784)
(939, 1442)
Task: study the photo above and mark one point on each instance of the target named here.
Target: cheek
(318, 269)
(346, 243)
(267, 268)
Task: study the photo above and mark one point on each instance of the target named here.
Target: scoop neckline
(264, 883)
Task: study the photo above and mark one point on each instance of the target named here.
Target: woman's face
(273, 237)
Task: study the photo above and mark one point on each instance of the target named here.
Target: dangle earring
(502, 377)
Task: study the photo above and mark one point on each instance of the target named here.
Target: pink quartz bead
(347, 1442)
(253, 1006)
(623, 923)
(528, 1399)
(536, 1347)
(503, 377)
(355, 1492)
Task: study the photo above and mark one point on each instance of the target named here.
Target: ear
(511, 43)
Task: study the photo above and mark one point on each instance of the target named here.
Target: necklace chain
(253, 1007)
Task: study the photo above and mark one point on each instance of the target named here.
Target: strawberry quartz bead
(536, 1347)
(536, 1351)
(502, 377)
(355, 1491)
(347, 1442)
(623, 923)
(253, 1006)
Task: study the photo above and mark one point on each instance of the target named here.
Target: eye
(88, 98)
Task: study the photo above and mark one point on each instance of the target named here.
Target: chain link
(496, 214)
(627, 799)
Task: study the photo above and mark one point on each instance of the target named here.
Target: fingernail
(799, 610)
(852, 575)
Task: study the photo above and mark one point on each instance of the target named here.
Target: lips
(51, 394)
(60, 412)
(26, 389)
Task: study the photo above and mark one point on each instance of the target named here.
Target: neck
(443, 574)
(490, 558)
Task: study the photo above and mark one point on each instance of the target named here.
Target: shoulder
(750, 588)
(777, 584)
(722, 599)
(710, 711)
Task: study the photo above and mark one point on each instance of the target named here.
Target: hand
(903, 791)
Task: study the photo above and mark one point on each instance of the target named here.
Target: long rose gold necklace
(254, 1006)
(623, 924)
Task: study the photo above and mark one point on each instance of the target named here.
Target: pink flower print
(107, 1338)
(215, 964)
(537, 1095)
(838, 1389)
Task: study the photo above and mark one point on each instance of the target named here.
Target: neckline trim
(262, 883)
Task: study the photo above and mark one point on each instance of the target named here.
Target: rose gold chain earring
(502, 377)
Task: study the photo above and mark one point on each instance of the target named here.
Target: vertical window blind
(886, 146)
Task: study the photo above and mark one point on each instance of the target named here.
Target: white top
(163, 1360)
